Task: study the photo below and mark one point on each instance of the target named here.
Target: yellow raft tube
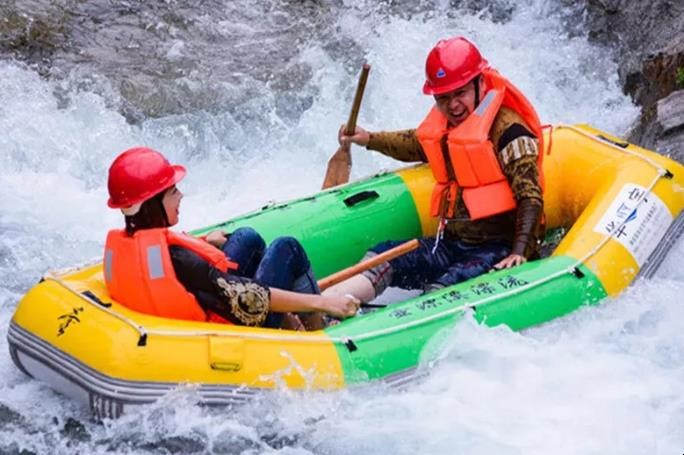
(618, 205)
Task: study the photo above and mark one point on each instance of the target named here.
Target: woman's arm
(245, 301)
(293, 302)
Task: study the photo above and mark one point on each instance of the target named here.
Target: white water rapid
(606, 379)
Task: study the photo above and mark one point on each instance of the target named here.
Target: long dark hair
(151, 215)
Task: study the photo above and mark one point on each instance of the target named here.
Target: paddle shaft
(358, 96)
(339, 165)
(355, 269)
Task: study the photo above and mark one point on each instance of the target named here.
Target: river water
(249, 96)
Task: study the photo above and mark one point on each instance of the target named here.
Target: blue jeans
(452, 262)
(283, 264)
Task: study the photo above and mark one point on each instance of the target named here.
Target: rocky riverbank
(157, 74)
(649, 36)
(154, 59)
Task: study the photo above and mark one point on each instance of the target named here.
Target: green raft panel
(337, 227)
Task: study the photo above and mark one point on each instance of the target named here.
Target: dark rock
(499, 11)
(75, 431)
(172, 57)
(9, 416)
(228, 442)
(649, 36)
(671, 112)
(14, 449)
(672, 145)
(656, 77)
(35, 37)
(279, 441)
(667, 125)
(175, 444)
(670, 125)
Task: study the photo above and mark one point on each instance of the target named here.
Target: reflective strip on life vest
(108, 258)
(485, 189)
(155, 268)
(139, 273)
(484, 104)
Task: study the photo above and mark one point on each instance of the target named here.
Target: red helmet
(451, 64)
(138, 174)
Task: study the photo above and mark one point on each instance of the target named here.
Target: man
(482, 140)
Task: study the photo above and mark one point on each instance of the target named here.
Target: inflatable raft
(617, 209)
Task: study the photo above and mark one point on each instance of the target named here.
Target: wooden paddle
(339, 165)
(369, 263)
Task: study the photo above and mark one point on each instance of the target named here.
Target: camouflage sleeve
(400, 145)
(519, 160)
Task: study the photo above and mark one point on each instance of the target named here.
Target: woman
(153, 270)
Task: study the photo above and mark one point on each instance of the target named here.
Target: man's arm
(518, 154)
(400, 145)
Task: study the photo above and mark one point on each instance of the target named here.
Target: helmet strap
(476, 81)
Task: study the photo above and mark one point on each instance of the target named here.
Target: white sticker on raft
(645, 224)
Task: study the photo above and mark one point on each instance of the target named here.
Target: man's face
(457, 105)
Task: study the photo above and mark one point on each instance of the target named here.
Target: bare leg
(359, 286)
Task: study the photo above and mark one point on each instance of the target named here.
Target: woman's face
(171, 203)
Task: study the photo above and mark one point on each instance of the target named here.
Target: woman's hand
(341, 306)
(217, 238)
(360, 136)
(509, 261)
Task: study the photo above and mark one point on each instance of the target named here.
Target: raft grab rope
(351, 344)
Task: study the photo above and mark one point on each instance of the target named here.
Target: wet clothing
(517, 153)
(469, 247)
(139, 273)
(243, 296)
(452, 261)
(465, 163)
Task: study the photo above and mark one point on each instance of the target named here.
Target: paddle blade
(339, 168)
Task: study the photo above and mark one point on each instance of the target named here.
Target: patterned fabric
(518, 161)
(523, 176)
(450, 262)
(518, 148)
(283, 265)
(504, 119)
(243, 296)
(400, 145)
(249, 302)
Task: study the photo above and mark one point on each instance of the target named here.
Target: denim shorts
(451, 262)
(283, 264)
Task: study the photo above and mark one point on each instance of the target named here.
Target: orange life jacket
(139, 273)
(472, 155)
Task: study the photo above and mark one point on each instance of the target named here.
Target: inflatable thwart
(617, 207)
